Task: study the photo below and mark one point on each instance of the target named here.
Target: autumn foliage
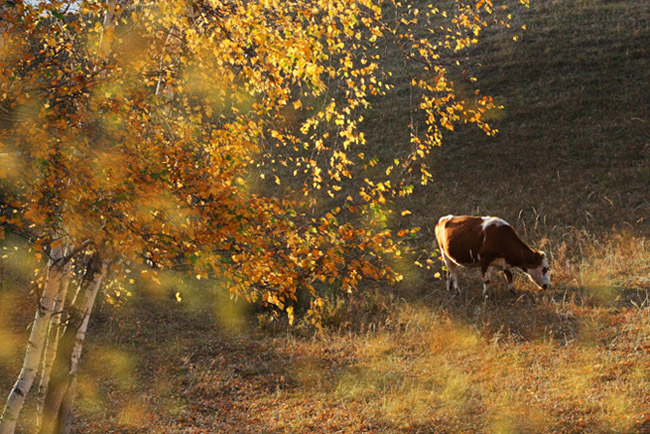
(159, 136)
(217, 137)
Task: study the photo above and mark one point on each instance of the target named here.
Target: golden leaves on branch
(221, 136)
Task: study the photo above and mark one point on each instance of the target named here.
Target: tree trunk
(37, 338)
(171, 50)
(57, 408)
(59, 391)
(53, 334)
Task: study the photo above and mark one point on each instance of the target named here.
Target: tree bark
(53, 334)
(36, 343)
(57, 408)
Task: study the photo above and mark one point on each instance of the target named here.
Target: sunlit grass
(422, 366)
(388, 360)
(133, 414)
(603, 267)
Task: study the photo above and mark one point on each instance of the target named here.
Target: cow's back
(503, 242)
(460, 238)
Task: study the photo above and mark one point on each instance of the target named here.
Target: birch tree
(53, 334)
(37, 339)
(56, 416)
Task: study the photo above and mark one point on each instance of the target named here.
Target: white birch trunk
(36, 343)
(53, 334)
(65, 410)
(114, 9)
(61, 392)
(172, 44)
(54, 400)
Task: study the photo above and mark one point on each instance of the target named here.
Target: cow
(487, 241)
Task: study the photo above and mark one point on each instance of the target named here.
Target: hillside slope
(574, 142)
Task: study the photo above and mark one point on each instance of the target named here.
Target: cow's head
(540, 274)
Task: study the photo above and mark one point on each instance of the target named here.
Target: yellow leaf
(406, 212)
(290, 314)
(178, 297)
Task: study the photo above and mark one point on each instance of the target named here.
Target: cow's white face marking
(492, 221)
(541, 275)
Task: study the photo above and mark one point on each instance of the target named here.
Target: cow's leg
(485, 267)
(452, 277)
(486, 279)
(508, 275)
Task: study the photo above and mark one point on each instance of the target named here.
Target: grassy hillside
(574, 130)
(574, 142)
(570, 170)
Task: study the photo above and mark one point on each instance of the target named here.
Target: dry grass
(570, 170)
(418, 362)
(537, 363)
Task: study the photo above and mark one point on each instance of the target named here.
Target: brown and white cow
(487, 241)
